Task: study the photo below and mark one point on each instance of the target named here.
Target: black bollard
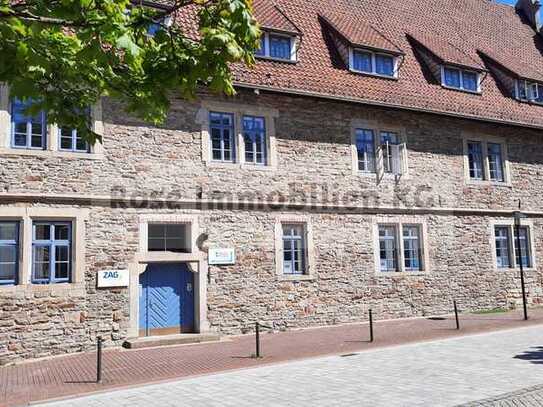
(257, 334)
(99, 359)
(371, 326)
(456, 315)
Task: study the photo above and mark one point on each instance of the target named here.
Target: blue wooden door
(166, 300)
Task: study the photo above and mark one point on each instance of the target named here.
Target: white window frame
(191, 235)
(395, 58)
(510, 224)
(485, 141)
(399, 223)
(461, 71)
(239, 111)
(378, 128)
(305, 222)
(294, 45)
(531, 96)
(52, 142)
(27, 217)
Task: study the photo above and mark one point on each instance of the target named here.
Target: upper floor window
(71, 140)
(254, 136)
(294, 249)
(277, 46)
(223, 142)
(529, 91)
(27, 131)
(373, 63)
(460, 79)
(51, 252)
(385, 154)
(486, 161)
(365, 147)
(388, 142)
(9, 252)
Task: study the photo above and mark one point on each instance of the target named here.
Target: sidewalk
(75, 374)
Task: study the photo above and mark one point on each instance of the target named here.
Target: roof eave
(300, 92)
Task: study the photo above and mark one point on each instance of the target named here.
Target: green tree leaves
(66, 54)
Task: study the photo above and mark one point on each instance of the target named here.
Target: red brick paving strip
(75, 374)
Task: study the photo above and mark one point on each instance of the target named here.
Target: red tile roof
(470, 25)
(358, 33)
(448, 53)
(513, 65)
(270, 16)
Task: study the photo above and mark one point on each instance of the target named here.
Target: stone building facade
(112, 196)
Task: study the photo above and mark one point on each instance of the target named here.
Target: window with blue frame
(363, 61)
(365, 148)
(412, 248)
(524, 250)
(388, 139)
(280, 47)
(503, 246)
(71, 140)
(373, 63)
(530, 91)
(222, 136)
(9, 252)
(254, 135)
(51, 252)
(460, 79)
(384, 65)
(294, 249)
(475, 158)
(261, 51)
(27, 131)
(400, 248)
(388, 248)
(495, 162)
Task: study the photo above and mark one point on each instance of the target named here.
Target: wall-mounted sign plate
(222, 256)
(113, 278)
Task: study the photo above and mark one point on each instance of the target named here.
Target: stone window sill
(239, 166)
(402, 273)
(62, 288)
(476, 183)
(51, 154)
(386, 176)
(300, 277)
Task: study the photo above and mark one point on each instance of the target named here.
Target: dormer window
(277, 46)
(373, 63)
(529, 91)
(460, 79)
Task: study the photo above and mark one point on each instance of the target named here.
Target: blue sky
(511, 2)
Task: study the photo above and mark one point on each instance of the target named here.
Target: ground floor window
(9, 252)
(51, 252)
(507, 242)
(294, 249)
(400, 247)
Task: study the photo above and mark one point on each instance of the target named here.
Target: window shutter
(399, 159)
(395, 159)
(379, 164)
(403, 158)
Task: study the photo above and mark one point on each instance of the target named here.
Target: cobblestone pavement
(441, 373)
(75, 374)
(531, 397)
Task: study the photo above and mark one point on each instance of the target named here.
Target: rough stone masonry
(146, 170)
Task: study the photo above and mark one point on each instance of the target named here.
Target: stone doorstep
(168, 340)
